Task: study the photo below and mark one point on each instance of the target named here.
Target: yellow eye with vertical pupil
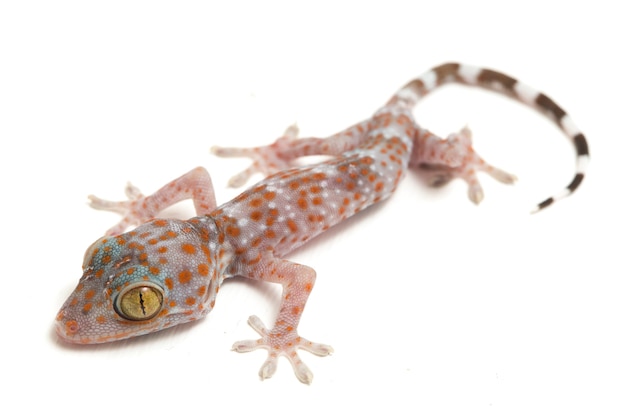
(140, 302)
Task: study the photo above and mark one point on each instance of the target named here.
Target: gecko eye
(140, 302)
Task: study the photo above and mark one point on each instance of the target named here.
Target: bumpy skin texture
(167, 272)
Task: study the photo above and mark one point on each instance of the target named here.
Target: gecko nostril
(71, 327)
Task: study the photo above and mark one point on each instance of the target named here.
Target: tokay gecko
(167, 271)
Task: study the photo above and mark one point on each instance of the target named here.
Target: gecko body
(166, 271)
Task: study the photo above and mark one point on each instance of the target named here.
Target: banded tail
(497, 81)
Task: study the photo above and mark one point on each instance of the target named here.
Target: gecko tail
(507, 85)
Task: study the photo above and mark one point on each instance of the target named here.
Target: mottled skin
(167, 272)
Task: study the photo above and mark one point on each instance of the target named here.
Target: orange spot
(256, 202)
(130, 271)
(201, 291)
(169, 283)
(256, 242)
(188, 248)
(232, 231)
(315, 189)
(293, 227)
(87, 307)
(190, 301)
(256, 216)
(101, 319)
(154, 270)
(203, 269)
(269, 233)
(270, 195)
(89, 294)
(162, 249)
(184, 277)
(317, 201)
(255, 260)
(308, 287)
(106, 259)
(302, 203)
(160, 222)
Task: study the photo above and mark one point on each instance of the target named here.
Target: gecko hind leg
(454, 157)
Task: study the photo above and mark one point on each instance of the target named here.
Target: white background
(433, 306)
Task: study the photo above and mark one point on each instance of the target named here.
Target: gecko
(166, 272)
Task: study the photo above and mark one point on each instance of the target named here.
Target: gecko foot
(466, 170)
(281, 343)
(131, 211)
(266, 160)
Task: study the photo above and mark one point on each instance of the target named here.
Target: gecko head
(156, 276)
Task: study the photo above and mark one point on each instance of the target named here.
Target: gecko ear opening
(139, 302)
(92, 250)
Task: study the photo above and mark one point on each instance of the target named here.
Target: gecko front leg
(283, 338)
(266, 160)
(138, 209)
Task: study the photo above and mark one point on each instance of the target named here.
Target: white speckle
(569, 127)
(581, 163)
(429, 79)
(271, 205)
(469, 73)
(242, 222)
(526, 93)
(408, 95)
